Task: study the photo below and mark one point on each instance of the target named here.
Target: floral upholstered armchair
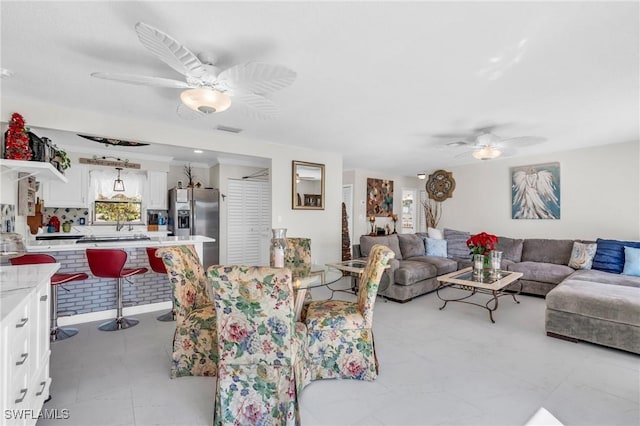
(340, 332)
(195, 350)
(297, 257)
(297, 254)
(260, 370)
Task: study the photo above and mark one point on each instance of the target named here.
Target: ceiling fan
(207, 88)
(483, 144)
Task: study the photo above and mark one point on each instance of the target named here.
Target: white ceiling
(375, 81)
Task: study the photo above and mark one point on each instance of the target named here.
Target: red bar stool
(110, 264)
(57, 279)
(157, 265)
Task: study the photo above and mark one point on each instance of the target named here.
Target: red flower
(482, 243)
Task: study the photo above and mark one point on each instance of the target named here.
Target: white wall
(599, 189)
(322, 226)
(200, 174)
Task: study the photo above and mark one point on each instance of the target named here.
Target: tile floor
(436, 367)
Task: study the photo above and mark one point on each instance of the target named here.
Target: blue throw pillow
(436, 247)
(610, 255)
(631, 261)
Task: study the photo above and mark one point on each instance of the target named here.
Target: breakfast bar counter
(44, 246)
(95, 298)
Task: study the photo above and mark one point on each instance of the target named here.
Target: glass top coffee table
(483, 283)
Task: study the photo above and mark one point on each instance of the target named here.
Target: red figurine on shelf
(16, 140)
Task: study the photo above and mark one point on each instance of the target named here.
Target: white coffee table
(484, 283)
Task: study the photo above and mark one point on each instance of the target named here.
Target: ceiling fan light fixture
(486, 153)
(205, 100)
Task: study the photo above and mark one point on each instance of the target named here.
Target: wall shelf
(43, 171)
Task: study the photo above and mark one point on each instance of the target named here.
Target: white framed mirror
(307, 183)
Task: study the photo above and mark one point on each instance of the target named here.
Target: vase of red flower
(482, 243)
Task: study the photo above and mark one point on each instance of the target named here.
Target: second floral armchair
(261, 367)
(195, 350)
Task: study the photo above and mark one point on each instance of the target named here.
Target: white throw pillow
(434, 233)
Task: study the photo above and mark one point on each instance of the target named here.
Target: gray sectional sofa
(599, 306)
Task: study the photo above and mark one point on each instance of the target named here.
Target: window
(110, 206)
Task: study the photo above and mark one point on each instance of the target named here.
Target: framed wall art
(535, 191)
(379, 197)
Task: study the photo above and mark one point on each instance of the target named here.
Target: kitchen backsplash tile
(66, 214)
(8, 217)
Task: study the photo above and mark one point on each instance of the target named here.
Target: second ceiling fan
(207, 89)
(483, 144)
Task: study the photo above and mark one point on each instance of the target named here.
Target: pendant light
(118, 184)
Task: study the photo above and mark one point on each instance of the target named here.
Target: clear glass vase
(278, 247)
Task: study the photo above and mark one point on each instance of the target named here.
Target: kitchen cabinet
(158, 194)
(25, 350)
(70, 194)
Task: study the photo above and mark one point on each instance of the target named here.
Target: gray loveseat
(602, 307)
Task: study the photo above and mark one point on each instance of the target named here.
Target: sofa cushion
(547, 251)
(606, 278)
(412, 271)
(391, 241)
(457, 244)
(541, 271)
(610, 255)
(411, 245)
(582, 255)
(443, 264)
(436, 247)
(631, 261)
(597, 300)
(511, 248)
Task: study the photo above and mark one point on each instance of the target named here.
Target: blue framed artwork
(535, 191)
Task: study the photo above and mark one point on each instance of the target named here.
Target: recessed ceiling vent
(228, 129)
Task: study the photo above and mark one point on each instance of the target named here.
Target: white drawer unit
(24, 352)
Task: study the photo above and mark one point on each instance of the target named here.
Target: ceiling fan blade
(170, 51)
(257, 106)
(258, 77)
(522, 141)
(452, 135)
(142, 80)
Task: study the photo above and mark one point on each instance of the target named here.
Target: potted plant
(61, 160)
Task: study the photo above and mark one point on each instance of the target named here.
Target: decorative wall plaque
(440, 185)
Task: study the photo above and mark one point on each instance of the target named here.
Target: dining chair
(261, 347)
(340, 332)
(195, 350)
(297, 257)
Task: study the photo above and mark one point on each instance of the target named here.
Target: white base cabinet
(24, 349)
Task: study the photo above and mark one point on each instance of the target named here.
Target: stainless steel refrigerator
(196, 211)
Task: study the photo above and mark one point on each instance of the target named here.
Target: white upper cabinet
(157, 190)
(70, 194)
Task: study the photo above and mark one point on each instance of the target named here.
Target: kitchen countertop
(16, 282)
(42, 246)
